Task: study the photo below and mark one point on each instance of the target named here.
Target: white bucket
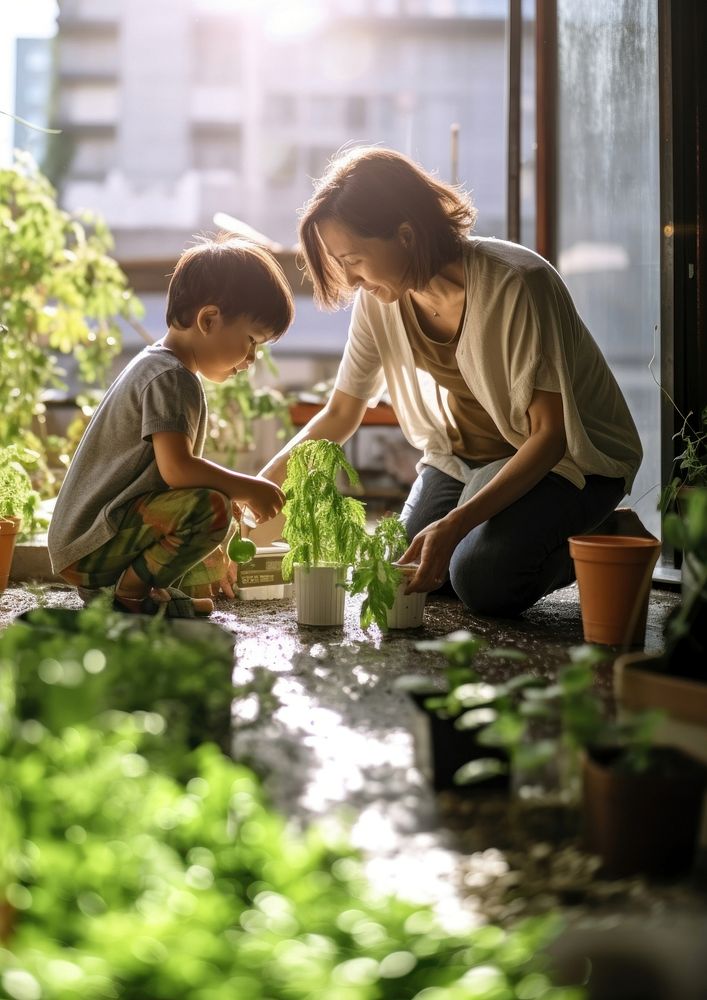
(318, 594)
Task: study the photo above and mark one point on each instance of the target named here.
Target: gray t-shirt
(115, 461)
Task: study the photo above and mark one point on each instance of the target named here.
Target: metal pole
(513, 63)
(454, 152)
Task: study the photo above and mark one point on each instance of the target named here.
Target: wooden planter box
(639, 686)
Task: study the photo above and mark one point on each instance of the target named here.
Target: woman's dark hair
(242, 278)
(373, 191)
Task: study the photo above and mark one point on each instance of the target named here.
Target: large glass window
(608, 208)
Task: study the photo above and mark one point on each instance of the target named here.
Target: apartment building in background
(177, 109)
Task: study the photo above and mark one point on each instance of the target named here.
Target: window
(609, 201)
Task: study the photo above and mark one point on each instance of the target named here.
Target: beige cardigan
(521, 331)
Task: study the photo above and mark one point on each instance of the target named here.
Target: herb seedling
(374, 573)
(322, 525)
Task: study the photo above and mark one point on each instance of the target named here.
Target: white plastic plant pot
(408, 609)
(319, 594)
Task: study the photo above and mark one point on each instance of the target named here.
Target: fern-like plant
(322, 525)
(690, 466)
(374, 573)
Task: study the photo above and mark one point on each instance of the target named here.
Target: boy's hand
(264, 498)
(225, 584)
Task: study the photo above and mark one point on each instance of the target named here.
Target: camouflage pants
(170, 538)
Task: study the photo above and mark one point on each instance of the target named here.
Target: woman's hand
(432, 548)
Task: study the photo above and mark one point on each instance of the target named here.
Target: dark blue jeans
(503, 566)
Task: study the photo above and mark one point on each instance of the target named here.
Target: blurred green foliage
(17, 497)
(236, 404)
(137, 866)
(60, 294)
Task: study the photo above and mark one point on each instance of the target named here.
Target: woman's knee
(489, 582)
(432, 496)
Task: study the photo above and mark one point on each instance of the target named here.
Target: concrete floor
(340, 747)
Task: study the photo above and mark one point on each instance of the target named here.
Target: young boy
(140, 508)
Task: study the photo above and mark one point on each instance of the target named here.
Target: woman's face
(380, 266)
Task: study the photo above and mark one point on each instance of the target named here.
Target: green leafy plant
(17, 497)
(322, 525)
(460, 650)
(127, 871)
(690, 465)
(235, 405)
(686, 631)
(104, 656)
(533, 720)
(60, 294)
(537, 721)
(374, 573)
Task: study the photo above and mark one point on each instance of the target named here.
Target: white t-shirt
(520, 332)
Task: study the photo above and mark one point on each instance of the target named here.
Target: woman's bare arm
(338, 420)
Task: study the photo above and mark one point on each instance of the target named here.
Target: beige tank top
(472, 432)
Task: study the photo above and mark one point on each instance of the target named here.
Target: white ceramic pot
(319, 594)
(408, 609)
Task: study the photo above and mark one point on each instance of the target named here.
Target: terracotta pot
(319, 594)
(9, 526)
(614, 577)
(408, 609)
(646, 821)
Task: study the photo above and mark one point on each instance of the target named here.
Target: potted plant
(690, 474)
(444, 733)
(189, 681)
(676, 679)
(614, 575)
(539, 728)
(377, 576)
(324, 529)
(690, 465)
(18, 503)
(640, 802)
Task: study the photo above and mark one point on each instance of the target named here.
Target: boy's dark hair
(242, 278)
(373, 191)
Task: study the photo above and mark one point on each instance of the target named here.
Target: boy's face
(227, 346)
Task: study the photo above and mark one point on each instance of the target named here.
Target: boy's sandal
(178, 606)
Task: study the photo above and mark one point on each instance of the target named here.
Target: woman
(525, 436)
